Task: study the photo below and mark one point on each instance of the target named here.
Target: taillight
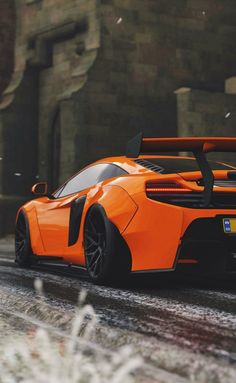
(165, 188)
(173, 193)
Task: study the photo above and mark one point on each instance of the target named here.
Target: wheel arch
(121, 246)
(30, 215)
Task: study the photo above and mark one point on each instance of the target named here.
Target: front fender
(35, 236)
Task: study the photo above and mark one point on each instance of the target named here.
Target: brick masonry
(90, 74)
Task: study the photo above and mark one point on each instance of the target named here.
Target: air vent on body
(148, 165)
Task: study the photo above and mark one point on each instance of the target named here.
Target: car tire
(107, 255)
(23, 250)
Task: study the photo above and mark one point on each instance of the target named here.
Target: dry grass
(47, 356)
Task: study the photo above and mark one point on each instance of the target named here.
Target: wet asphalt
(174, 321)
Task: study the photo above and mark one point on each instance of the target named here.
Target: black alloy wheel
(23, 251)
(106, 253)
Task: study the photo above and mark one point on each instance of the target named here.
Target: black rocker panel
(76, 212)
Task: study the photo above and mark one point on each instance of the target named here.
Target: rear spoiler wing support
(207, 175)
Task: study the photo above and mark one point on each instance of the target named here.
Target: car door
(53, 220)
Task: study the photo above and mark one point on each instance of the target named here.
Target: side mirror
(40, 189)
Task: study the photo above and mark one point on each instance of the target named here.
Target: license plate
(229, 225)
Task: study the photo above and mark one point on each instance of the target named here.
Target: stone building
(90, 74)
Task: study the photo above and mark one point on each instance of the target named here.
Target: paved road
(185, 328)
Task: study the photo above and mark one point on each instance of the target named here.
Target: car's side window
(110, 171)
(89, 177)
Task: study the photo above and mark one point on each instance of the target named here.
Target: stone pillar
(202, 113)
(230, 85)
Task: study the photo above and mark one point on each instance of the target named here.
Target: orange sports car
(143, 212)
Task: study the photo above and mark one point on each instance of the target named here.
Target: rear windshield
(180, 165)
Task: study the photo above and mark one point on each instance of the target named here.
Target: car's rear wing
(198, 145)
(139, 145)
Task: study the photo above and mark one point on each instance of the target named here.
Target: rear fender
(117, 203)
(154, 234)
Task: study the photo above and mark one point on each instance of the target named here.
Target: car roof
(131, 166)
